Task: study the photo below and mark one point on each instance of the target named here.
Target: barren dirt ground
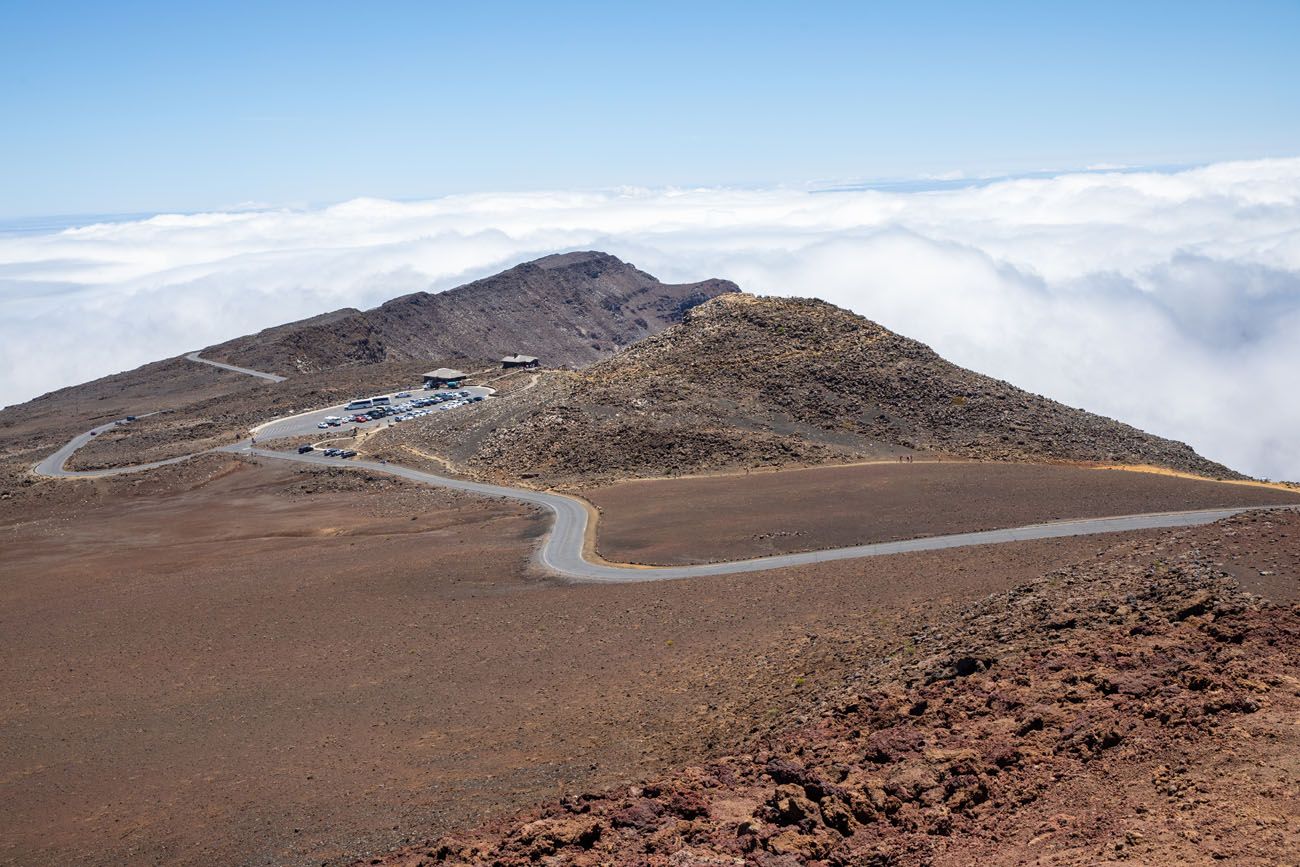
(278, 667)
(692, 520)
(1133, 708)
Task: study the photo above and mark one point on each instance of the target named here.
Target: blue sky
(140, 107)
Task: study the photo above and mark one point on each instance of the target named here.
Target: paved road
(194, 356)
(53, 465)
(562, 551)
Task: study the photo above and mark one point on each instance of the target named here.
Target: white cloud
(1169, 300)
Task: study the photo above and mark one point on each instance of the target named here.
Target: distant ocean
(59, 222)
(931, 185)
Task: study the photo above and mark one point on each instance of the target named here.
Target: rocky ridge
(748, 381)
(570, 309)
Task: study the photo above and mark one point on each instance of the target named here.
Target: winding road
(194, 356)
(53, 466)
(563, 550)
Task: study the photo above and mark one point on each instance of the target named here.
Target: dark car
(347, 453)
(302, 450)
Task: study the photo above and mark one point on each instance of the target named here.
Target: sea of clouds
(1170, 300)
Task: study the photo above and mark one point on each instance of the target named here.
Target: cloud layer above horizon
(1168, 300)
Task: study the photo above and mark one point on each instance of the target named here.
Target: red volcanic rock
(1127, 735)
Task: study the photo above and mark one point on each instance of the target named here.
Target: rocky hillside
(1136, 708)
(747, 381)
(568, 309)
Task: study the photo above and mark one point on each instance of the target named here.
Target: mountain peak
(578, 257)
(570, 309)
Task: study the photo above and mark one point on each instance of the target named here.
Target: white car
(322, 425)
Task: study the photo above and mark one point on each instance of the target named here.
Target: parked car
(331, 452)
(402, 394)
(322, 425)
(302, 450)
(347, 453)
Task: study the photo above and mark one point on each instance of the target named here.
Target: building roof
(518, 359)
(444, 373)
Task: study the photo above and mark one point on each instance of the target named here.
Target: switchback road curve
(52, 467)
(563, 550)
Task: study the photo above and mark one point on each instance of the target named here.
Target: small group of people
(904, 459)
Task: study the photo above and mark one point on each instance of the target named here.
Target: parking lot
(371, 412)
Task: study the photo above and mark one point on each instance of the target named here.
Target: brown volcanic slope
(747, 381)
(570, 309)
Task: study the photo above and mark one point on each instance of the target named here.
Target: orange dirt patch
(692, 520)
